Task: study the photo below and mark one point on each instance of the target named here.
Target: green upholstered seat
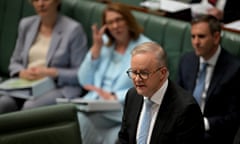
(8, 35)
(88, 12)
(231, 42)
(155, 28)
(55, 124)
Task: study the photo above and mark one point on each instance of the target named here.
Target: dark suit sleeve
(187, 71)
(132, 108)
(190, 127)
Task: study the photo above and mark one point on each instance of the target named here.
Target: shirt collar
(213, 60)
(158, 95)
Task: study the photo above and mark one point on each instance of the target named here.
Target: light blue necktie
(144, 127)
(200, 83)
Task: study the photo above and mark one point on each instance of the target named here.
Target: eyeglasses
(142, 74)
(116, 20)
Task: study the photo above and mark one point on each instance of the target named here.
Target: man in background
(212, 75)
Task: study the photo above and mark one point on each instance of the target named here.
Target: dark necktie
(199, 88)
(145, 125)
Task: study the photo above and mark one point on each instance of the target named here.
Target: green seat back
(57, 124)
(142, 18)
(155, 28)
(173, 43)
(129, 2)
(84, 13)
(8, 35)
(231, 42)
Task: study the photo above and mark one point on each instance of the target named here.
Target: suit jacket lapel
(30, 38)
(164, 113)
(126, 57)
(217, 74)
(105, 62)
(124, 64)
(137, 103)
(56, 39)
(192, 77)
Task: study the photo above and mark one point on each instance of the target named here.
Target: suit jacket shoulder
(179, 115)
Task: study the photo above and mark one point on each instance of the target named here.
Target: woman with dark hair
(103, 71)
(48, 45)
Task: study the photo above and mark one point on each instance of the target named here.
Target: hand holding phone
(97, 40)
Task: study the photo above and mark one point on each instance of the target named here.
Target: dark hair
(213, 22)
(134, 28)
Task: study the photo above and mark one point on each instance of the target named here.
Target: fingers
(102, 30)
(97, 40)
(26, 74)
(90, 87)
(93, 88)
(102, 93)
(98, 31)
(35, 73)
(94, 29)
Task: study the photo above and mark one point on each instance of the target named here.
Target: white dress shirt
(211, 65)
(157, 100)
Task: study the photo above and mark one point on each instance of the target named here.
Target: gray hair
(152, 47)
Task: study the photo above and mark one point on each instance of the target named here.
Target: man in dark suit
(219, 99)
(175, 116)
(230, 12)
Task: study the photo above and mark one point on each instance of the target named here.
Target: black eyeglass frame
(131, 72)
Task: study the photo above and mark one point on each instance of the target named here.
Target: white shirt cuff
(206, 124)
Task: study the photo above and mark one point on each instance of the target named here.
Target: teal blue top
(109, 70)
